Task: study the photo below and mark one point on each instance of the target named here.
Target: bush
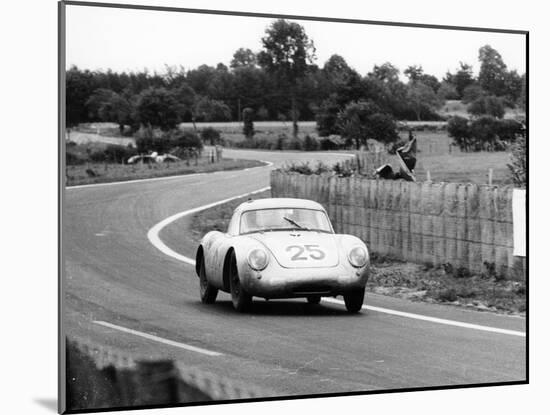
(518, 165)
(509, 130)
(484, 130)
(115, 153)
(459, 130)
(72, 159)
(487, 105)
(310, 143)
(185, 139)
(305, 168)
(293, 144)
(211, 135)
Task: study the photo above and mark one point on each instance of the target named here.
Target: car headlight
(358, 256)
(258, 259)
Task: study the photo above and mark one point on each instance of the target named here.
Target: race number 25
(302, 252)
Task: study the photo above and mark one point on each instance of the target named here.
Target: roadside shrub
(305, 168)
(73, 159)
(98, 156)
(211, 135)
(293, 144)
(115, 153)
(281, 139)
(185, 139)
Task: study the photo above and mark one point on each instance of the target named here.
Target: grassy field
(415, 282)
(456, 107)
(109, 172)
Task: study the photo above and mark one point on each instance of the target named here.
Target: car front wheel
(239, 297)
(208, 292)
(354, 300)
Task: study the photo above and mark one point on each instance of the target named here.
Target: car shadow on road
(283, 308)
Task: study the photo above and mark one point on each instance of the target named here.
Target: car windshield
(279, 219)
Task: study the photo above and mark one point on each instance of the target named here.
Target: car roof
(279, 202)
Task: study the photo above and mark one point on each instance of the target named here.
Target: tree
(79, 87)
(248, 122)
(158, 107)
(447, 91)
(327, 117)
(208, 110)
(422, 98)
(287, 52)
(461, 79)
(472, 92)
(414, 73)
(210, 135)
(492, 72)
(243, 57)
(362, 120)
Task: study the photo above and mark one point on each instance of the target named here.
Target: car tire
(313, 299)
(207, 291)
(239, 297)
(354, 300)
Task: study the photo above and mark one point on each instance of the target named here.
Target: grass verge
(91, 173)
(416, 282)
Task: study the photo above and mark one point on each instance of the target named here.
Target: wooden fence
(464, 225)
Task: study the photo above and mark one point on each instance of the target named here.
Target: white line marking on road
(153, 234)
(432, 319)
(159, 339)
(154, 179)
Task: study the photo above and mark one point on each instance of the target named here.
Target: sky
(132, 40)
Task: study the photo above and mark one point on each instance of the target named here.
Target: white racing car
(282, 248)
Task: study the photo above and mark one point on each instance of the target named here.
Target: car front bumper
(278, 282)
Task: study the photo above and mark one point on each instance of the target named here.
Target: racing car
(282, 248)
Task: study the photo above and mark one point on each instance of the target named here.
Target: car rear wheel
(313, 299)
(354, 300)
(208, 292)
(239, 297)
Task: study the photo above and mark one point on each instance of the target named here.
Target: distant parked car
(282, 248)
(145, 158)
(152, 158)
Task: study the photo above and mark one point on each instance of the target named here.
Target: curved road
(114, 275)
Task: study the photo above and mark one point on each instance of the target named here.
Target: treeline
(283, 82)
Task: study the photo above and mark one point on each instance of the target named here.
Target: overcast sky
(131, 40)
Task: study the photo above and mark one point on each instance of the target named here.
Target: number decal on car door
(314, 252)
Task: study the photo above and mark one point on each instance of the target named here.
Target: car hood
(300, 249)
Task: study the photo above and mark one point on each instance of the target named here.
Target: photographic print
(259, 207)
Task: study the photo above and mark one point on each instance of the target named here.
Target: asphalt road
(115, 275)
